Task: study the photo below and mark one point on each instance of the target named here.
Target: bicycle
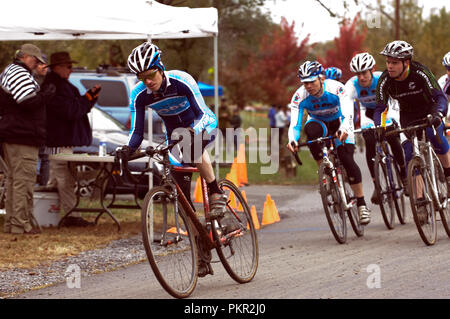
(388, 182)
(176, 239)
(336, 193)
(426, 177)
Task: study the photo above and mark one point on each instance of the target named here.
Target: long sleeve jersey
(332, 105)
(180, 104)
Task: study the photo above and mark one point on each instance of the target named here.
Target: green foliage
(428, 35)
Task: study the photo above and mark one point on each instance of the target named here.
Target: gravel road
(299, 258)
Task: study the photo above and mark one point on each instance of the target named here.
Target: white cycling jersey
(332, 105)
(366, 96)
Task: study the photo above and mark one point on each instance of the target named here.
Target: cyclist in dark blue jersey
(418, 94)
(175, 96)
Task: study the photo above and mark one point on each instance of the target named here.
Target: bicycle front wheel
(331, 201)
(441, 182)
(384, 192)
(399, 193)
(421, 202)
(353, 213)
(169, 242)
(235, 236)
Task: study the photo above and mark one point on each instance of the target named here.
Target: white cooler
(46, 208)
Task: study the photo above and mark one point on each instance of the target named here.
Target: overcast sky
(317, 20)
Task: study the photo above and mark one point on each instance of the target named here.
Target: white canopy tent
(108, 20)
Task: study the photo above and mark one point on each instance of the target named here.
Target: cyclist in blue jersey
(333, 73)
(175, 96)
(362, 88)
(329, 112)
(418, 94)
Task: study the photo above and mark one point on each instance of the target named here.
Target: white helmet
(362, 62)
(398, 50)
(144, 57)
(309, 71)
(446, 60)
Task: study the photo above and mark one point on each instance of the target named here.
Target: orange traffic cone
(270, 212)
(198, 195)
(254, 218)
(276, 216)
(232, 200)
(242, 165)
(233, 177)
(240, 208)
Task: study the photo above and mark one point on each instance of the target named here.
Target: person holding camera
(67, 126)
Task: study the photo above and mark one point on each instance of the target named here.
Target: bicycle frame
(336, 174)
(333, 165)
(169, 181)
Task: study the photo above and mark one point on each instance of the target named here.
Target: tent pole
(150, 135)
(216, 101)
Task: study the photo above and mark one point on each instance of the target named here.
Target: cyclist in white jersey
(362, 88)
(330, 112)
(444, 81)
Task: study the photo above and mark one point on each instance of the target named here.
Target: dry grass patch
(28, 251)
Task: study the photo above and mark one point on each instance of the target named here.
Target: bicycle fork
(336, 176)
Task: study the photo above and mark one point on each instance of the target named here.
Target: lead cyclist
(329, 113)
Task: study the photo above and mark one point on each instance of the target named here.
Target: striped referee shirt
(17, 81)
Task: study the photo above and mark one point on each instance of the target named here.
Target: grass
(305, 174)
(27, 251)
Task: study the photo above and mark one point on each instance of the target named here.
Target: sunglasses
(148, 76)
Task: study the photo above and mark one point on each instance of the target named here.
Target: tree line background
(258, 58)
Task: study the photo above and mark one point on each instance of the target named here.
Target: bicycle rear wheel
(421, 202)
(382, 187)
(331, 201)
(235, 236)
(441, 182)
(169, 242)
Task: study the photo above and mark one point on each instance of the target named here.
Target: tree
(349, 43)
(275, 65)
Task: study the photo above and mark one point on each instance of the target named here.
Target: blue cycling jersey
(179, 104)
(367, 96)
(329, 107)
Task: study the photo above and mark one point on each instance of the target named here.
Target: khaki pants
(21, 161)
(61, 178)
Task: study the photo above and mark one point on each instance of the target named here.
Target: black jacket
(22, 123)
(67, 120)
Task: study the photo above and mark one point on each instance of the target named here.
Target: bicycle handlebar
(317, 140)
(412, 128)
(122, 158)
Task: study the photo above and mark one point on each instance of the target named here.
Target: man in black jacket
(22, 131)
(67, 126)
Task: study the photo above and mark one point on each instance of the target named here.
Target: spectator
(41, 70)
(67, 126)
(22, 131)
(224, 116)
(281, 121)
(236, 123)
(271, 116)
(43, 163)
